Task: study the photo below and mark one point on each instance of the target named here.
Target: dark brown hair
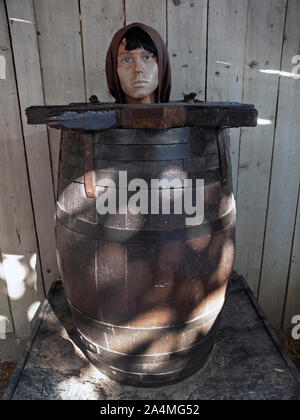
(136, 38)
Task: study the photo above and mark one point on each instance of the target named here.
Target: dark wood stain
(146, 291)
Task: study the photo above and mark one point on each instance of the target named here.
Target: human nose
(138, 67)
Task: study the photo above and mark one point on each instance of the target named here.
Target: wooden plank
(152, 13)
(24, 42)
(265, 29)
(100, 21)
(227, 23)
(99, 117)
(6, 325)
(17, 231)
(59, 39)
(284, 186)
(187, 27)
(292, 306)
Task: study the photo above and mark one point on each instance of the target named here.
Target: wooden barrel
(146, 290)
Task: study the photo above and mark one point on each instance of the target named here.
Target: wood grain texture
(265, 28)
(30, 90)
(151, 13)
(227, 25)
(59, 39)
(100, 21)
(284, 184)
(187, 27)
(18, 240)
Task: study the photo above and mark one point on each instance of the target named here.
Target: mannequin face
(138, 74)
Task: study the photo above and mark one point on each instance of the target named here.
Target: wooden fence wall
(53, 52)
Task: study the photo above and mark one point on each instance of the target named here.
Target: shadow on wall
(21, 295)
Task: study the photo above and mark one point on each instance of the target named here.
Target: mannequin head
(137, 66)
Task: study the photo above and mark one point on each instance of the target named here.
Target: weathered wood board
(18, 242)
(151, 13)
(187, 43)
(265, 22)
(99, 22)
(59, 40)
(284, 186)
(177, 114)
(30, 90)
(225, 61)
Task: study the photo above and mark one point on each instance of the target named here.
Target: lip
(140, 82)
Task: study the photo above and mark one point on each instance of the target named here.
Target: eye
(126, 60)
(148, 57)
